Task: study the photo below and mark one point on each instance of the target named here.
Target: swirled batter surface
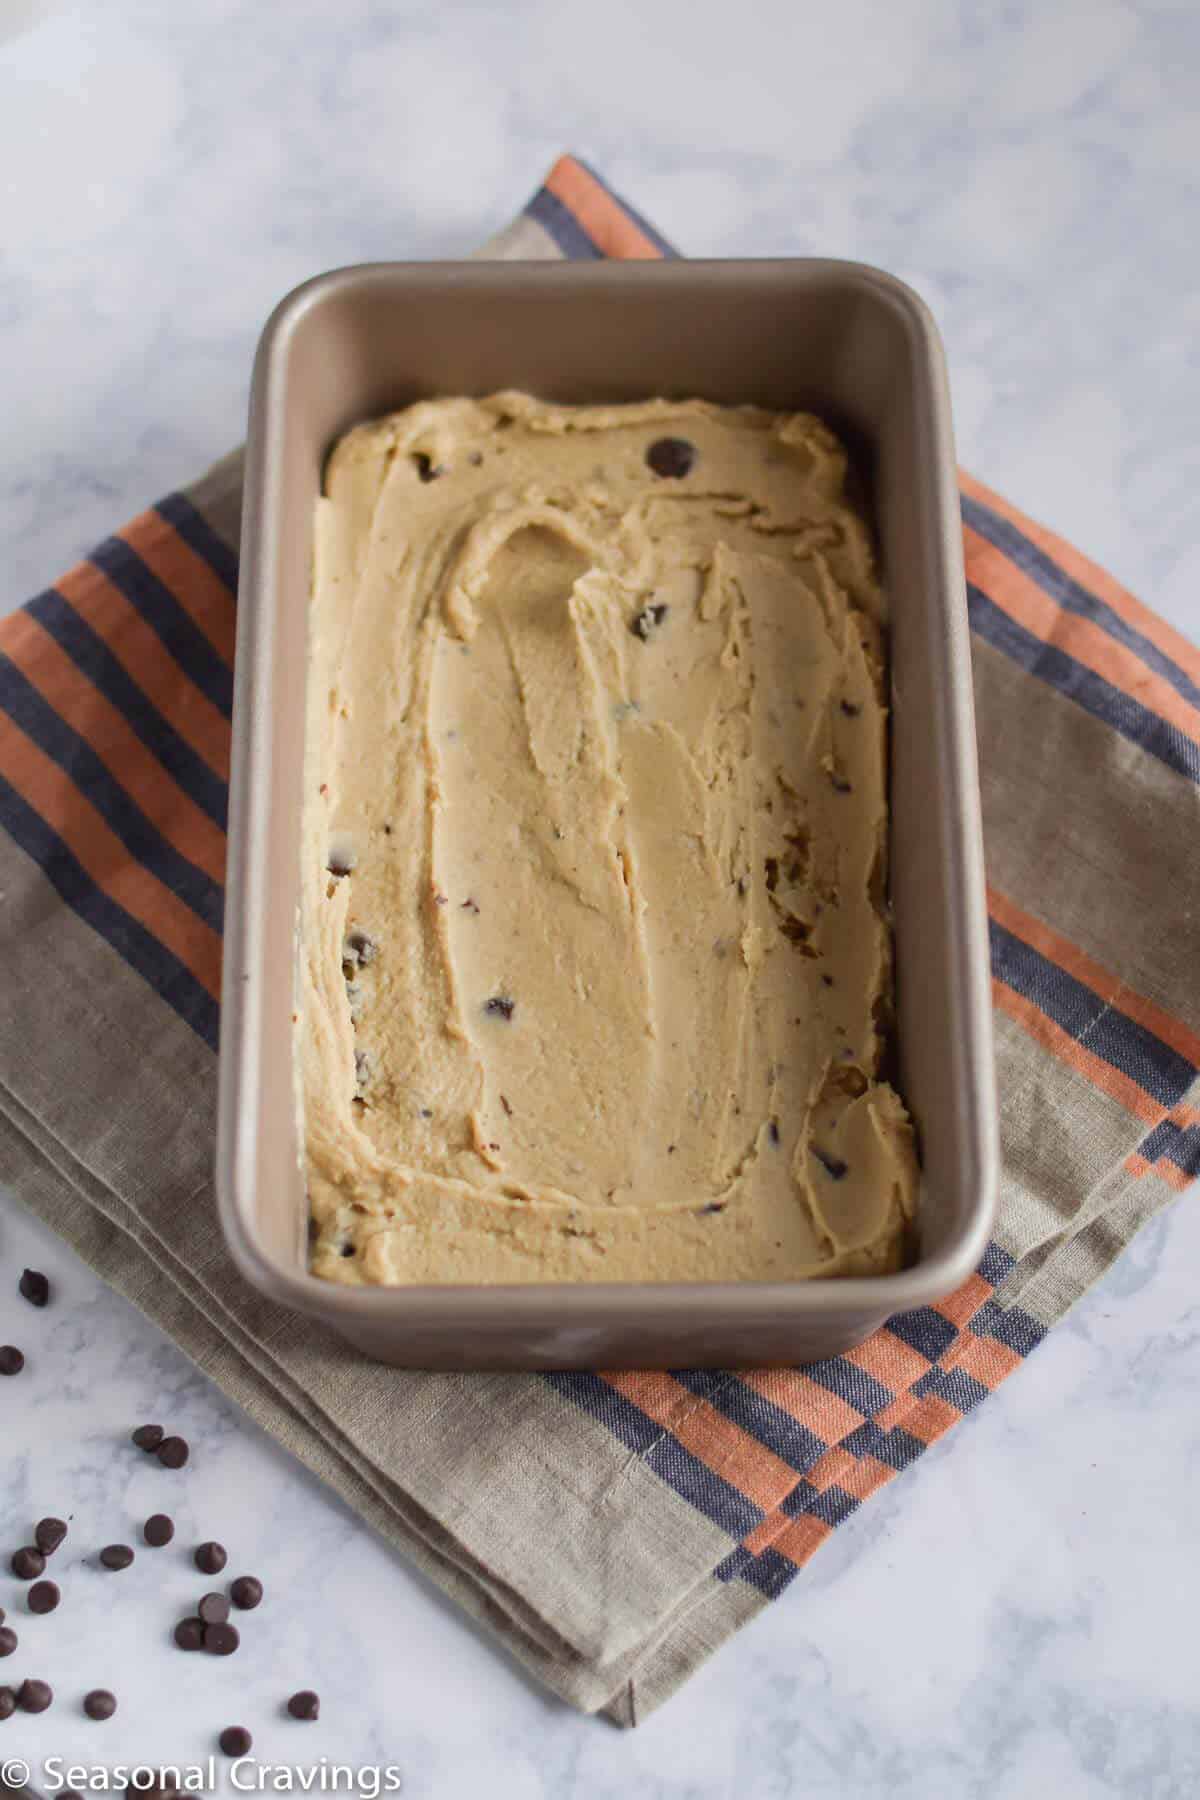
(595, 955)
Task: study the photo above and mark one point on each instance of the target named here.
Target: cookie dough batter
(595, 958)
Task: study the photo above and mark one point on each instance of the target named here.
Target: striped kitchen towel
(611, 1528)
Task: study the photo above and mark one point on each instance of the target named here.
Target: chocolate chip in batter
(714, 1206)
(359, 948)
(827, 980)
(427, 469)
(645, 623)
(500, 1007)
(507, 1108)
(671, 457)
(11, 1360)
(44, 1596)
(28, 1563)
(851, 711)
(833, 1166)
(48, 1534)
(148, 1437)
(34, 1287)
(210, 1558)
(116, 1556)
(470, 905)
(773, 1131)
(341, 859)
(840, 785)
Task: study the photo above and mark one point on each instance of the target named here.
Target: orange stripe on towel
(715, 1440)
(198, 588)
(1059, 1043)
(608, 226)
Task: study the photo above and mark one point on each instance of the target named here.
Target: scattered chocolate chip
(221, 1639)
(773, 1132)
(8, 1640)
(99, 1704)
(304, 1705)
(116, 1556)
(189, 1634)
(645, 623)
(8, 1703)
(148, 1437)
(34, 1696)
(427, 469)
(360, 948)
(158, 1530)
(851, 711)
(173, 1452)
(44, 1596)
(214, 1609)
(210, 1558)
(500, 1007)
(246, 1592)
(11, 1360)
(48, 1534)
(34, 1287)
(28, 1563)
(833, 1166)
(671, 457)
(235, 1740)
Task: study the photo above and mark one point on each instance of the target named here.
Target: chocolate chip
(173, 1452)
(469, 905)
(304, 1705)
(840, 785)
(210, 1558)
(8, 1703)
(214, 1609)
(507, 1108)
(34, 1287)
(48, 1534)
(773, 1132)
(645, 623)
(99, 1704)
(235, 1740)
(500, 1007)
(11, 1360)
(833, 1166)
(714, 1206)
(221, 1639)
(116, 1556)
(341, 861)
(148, 1437)
(158, 1530)
(189, 1634)
(671, 457)
(359, 948)
(827, 980)
(8, 1640)
(28, 1563)
(427, 469)
(44, 1596)
(246, 1592)
(34, 1696)
(851, 711)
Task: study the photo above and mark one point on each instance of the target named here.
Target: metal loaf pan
(845, 340)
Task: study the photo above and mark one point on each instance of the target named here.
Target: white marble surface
(1015, 1617)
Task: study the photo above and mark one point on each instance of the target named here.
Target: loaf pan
(852, 344)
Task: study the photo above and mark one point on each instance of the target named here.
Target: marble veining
(1012, 1617)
